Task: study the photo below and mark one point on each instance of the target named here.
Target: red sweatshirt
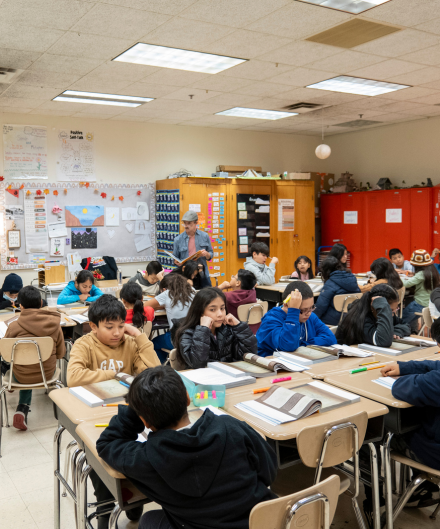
(148, 311)
(235, 298)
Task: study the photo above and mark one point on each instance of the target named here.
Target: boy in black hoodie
(209, 474)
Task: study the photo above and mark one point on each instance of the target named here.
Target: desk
(343, 364)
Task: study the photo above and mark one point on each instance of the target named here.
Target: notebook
(310, 354)
(387, 382)
(398, 347)
(257, 366)
(100, 393)
(280, 405)
(211, 376)
(346, 350)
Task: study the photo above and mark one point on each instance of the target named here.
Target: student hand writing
(295, 300)
(274, 260)
(206, 321)
(231, 320)
(83, 297)
(390, 370)
(131, 330)
(224, 285)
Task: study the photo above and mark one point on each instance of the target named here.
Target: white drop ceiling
(70, 44)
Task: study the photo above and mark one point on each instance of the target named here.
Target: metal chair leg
(81, 460)
(388, 487)
(394, 476)
(56, 463)
(73, 463)
(434, 514)
(375, 485)
(67, 463)
(83, 492)
(114, 517)
(409, 491)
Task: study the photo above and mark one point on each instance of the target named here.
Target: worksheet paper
(142, 211)
(35, 217)
(129, 213)
(112, 216)
(142, 243)
(57, 247)
(57, 229)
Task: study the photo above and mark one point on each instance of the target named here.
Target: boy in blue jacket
(293, 325)
(82, 289)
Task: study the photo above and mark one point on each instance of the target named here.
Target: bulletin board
(253, 222)
(111, 236)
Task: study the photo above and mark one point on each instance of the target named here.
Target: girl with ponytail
(373, 319)
(132, 298)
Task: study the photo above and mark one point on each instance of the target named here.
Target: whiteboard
(120, 242)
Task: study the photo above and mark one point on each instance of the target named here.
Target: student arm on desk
(145, 355)
(78, 370)
(95, 293)
(419, 384)
(324, 335)
(65, 299)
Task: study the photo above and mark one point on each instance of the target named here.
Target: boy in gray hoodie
(257, 264)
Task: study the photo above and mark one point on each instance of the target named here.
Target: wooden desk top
(343, 364)
(290, 430)
(7, 315)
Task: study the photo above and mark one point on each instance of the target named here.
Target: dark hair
(260, 247)
(84, 276)
(29, 297)
(107, 308)
(382, 268)
(431, 276)
(302, 287)
(351, 329)
(178, 288)
(329, 265)
(201, 300)
(132, 293)
(159, 396)
(187, 269)
(153, 267)
(247, 279)
(338, 251)
(393, 252)
(307, 260)
(435, 330)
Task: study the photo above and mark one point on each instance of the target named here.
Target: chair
(322, 447)
(401, 292)
(342, 302)
(175, 362)
(25, 352)
(252, 313)
(427, 321)
(311, 508)
(148, 325)
(333, 328)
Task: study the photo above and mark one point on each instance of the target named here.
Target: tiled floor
(26, 479)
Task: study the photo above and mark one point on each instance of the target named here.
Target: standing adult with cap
(191, 241)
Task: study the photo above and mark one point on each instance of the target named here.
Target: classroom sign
(350, 217)
(76, 156)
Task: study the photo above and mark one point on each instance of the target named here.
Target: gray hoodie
(147, 288)
(265, 274)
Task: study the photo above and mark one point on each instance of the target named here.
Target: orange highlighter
(262, 390)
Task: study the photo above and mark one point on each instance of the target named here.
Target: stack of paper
(346, 350)
(382, 350)
(79, 318)
(387, 382)
(420, 341)
(213, 377)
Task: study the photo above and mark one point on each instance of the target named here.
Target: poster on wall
(35, 218)
(24, 152)
(286, 214)
(76, 156)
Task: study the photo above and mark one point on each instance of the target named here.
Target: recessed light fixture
(257, 113)
(192, 61)
(357, 85)
(95, 98)
(349, 6)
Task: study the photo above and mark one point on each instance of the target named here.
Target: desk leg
(114, 517)
(375, 485)
(388, 485)
(83, 493)
(57, 484)
(73, 465)
(79, 466)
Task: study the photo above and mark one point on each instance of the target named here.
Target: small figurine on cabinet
(384, 183)
(345, 184)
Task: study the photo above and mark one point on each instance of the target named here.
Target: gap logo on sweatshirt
(111, 365)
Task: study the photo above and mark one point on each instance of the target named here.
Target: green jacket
(421, 295)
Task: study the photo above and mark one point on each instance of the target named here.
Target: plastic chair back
(175, 362)
(427, 318)
(342, 301)
(252, 313)
(148, 325)
(26, 350)
(401, 292)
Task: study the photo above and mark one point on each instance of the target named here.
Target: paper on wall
(129, 213)
(393, 216)
(350, 217)
(142, 211)
(24, 151)
(74, 262)
(142, 227)
(112, 216)
(142, 243)
(35, 216)
(57, 229)
(76, 161)
(286, 214)
(57, 247)
(195, 207)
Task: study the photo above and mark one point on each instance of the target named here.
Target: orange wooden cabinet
(286, 245)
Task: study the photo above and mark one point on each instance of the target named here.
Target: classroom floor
(26, 479)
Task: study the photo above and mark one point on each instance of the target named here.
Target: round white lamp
(323, 151)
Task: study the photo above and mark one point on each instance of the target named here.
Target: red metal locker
(421, 219)
(331, 224)
(374, 241)
(397, 208)
(352, 235)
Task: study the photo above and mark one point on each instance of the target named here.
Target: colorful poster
(84, 238)
(35, 218)
(24, 152)
(76, 156)
(57, 246)
(286, 214)
(84, 216)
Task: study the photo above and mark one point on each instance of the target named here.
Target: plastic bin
(220, 393)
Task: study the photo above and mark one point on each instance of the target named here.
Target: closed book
(258, 366)
(310, 354)
(100, 393)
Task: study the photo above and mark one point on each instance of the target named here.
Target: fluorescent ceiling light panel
(357, 85)
(242, 112)
(193, 61)
(349, 6)
(95, 98)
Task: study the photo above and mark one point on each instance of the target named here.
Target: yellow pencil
(368, 363)
(115, 404)
(101, 425)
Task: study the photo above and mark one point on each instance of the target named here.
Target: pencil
(101, 425)
(115, 404)
(368, 363)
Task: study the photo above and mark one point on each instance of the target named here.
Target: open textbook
(257, 366)
(100, 393)
(280, 405)
(310, 354)
(192, 257)
(399, 347)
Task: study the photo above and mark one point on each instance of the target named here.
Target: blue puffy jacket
(70, 294)
(419, 385)
(283, 332)
(339, 282)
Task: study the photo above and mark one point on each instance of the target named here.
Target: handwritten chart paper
(286, 214)
(76, 156)
(350, 217)
(35, 218)
(25, 152)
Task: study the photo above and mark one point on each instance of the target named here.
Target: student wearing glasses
(293, 325)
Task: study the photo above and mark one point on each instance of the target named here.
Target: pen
(368, 363)
(262, 390)
(352, 371)
(124, 384)
(115, 404)
(101, 425)
(282, 379)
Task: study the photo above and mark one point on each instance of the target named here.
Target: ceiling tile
(221, 83)
(404, 12)
(336, 98)
(40, 112)
(426, 75)
(119, 22)
(170, 7)
(168, 76)
(215, 120)
(198, 95)
(299, 20)
(103, 86)
(232, 13)
(121, 71)
(392, 116)
(258, 70)
(125, 117)
(149, 90)
(98, 109)
(17, 58)
(433, 99)
(366, 103)
(58, 14)
(27, 38)
(346, 61)
(14, 110)
(429, 56)
(31, 92)
(168, 105)
(47, 79)
(433, 26)
(61, 106)
(386, 69)
(400, 43)
(269, 103)
(91, 46)
(300, 53)
(302, 77)
(246, 44)
(186, 34)
(408, 94)
(64, 64)
(231, 100)
(434, 84)
(402, 106)
(91, 115)
(162, 121)
(302, 94)
(18, 102)
(181, 116)
(261, 89)
(425, 111)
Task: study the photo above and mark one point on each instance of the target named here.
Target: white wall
(145, 152)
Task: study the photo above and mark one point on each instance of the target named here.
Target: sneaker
(134, 514)
(425, 495)
(20, 417)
